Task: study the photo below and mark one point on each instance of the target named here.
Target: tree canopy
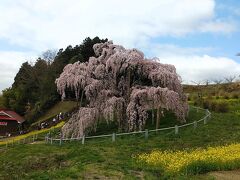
(120, 85)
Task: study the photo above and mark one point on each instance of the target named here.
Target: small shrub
(211, 105)
(222, 107)
(213, 94)
(226, 96)
(195, 103)
(235, 96)
(217, 97)
(209, 97)
(206, 104)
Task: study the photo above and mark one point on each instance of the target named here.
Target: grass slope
(62, 106)
(40, 134)
(103, 159)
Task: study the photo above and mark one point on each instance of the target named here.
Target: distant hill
(213, 89)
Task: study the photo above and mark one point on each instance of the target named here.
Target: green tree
(34, 85)
(1, 102)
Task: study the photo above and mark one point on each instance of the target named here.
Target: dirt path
(226, 175)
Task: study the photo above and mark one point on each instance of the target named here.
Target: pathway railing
(146, 132)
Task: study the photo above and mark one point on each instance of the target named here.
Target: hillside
(102, 159)
(214, 89)
(61, 106)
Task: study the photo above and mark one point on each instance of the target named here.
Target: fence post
(113, 137)
(205, 120)
(209, 115)
(60, 141)
(33, 138)
(6, 144)
(197, 109)
(51, 140)
(176, 129)
(83, 139)
(195, 124)
(146, 133)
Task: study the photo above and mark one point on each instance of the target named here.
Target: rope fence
(146, 132)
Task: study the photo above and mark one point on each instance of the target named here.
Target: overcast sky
(200, 37)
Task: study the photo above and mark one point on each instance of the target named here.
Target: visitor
(42, 125)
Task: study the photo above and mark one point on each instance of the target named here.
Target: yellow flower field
(30, 134)
(198, 160)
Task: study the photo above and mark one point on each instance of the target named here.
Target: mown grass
(104, 159)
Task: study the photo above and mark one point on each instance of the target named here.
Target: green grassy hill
(62, 106)
(104, 159)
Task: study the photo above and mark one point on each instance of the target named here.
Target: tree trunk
(129, 83)
(81, 98)
(153, 116)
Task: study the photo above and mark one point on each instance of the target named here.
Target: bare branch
(230, 79)
(217, 81)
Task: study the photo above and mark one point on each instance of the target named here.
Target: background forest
(34, 90)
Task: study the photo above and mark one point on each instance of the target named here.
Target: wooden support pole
(146, 134)
(60, 141)
(158, 118)
(152, 115)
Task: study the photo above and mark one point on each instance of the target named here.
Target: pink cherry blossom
(120, 85)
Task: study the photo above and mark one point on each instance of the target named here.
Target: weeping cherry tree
(120, 85)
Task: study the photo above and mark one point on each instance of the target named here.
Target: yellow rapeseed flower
(176, 161)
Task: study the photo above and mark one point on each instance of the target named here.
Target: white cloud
(201, 68)
(10, 62)
(43, 24)
(192, 66)
(218, 26)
